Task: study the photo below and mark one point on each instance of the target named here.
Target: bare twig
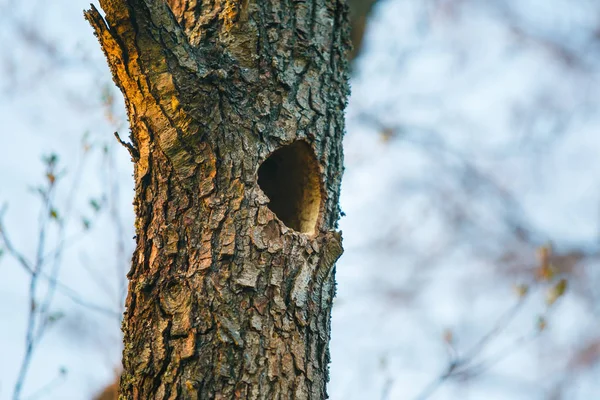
(68, 292)
(485, 365)
(30, 336)
(44, 312)
(47, 388)
(40, 318)
(9, 246)
(133, 152)
(500, 325)
(463, 365)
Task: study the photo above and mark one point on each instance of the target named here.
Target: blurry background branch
(360, 10)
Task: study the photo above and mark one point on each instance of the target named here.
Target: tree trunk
(236, 113)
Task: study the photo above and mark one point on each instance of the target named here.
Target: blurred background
(471, 199)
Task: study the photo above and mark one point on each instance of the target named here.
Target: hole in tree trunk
(290, 179)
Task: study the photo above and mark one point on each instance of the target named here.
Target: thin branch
(133, 152)
(482, 366)
(463, 365)
(77, 299)
(68, 292)
(56, 260)
(501, 324)
(434, 385)
(30, 336)
(9, 246)
(47, 388)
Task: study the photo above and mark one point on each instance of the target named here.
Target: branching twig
(40, 317)
(464, 365)
(30, 336)
(44, 314)
(67, 291)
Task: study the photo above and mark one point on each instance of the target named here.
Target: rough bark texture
(226, 300)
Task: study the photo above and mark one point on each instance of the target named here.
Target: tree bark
(236, 114)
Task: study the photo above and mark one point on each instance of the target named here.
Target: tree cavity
(290, 179)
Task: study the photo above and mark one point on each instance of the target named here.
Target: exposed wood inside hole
(290, 179)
